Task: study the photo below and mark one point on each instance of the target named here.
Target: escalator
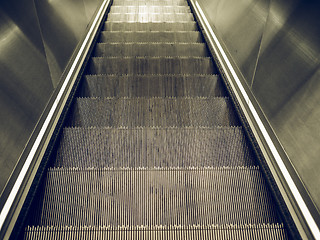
(153, 148)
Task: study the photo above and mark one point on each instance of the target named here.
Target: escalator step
(150, 3)
(154, 36)
(149, 112)
(149, 17)
(151, 49)
(154, 147)
(151, 65)
(176, 26)
(160, 196)
(150, 9)
(222, 232)
(152, 86)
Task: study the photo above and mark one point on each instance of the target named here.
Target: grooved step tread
(150, 9)
(168, 196)
(176, 26)
(154, 36)
(154, 147)
(150, 3)
(159, 112)
(152, 86)
(221, 232)
(151, 65)
(149, 17)
(151, 49)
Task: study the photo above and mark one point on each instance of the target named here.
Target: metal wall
(276, 46)
(37, 39)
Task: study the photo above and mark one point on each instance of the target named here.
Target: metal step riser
(154, 112)
(106, 147)
(152, 86)
(150, 37)
(182, 26)
(149, 50)
(149, 3)
(149, 9)
(149, 17)
(151, 65)
(130, 197)
(224, 232)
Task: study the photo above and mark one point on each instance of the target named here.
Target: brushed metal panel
(276, 46)
(289, 57)
(62, 23)
(90, 7)
(37, 39)
(25, 84)
(240, 24)
(287, 87)
(297, 126)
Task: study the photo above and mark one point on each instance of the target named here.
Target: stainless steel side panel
(62, 24)
(276, 46)
(37, 39)
(287, 84)
(25, 84)
(90, 7)
(33, 91)
(241, 25)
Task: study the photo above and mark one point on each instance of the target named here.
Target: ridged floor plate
(168, 196)
(150, 3)
(150, 9)
(154, 36)
(152, 86)
(150, 112)
(151, 65)
(150, 49)
(149, 17)
(218, 232)
(154, 147)
(176, 26)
